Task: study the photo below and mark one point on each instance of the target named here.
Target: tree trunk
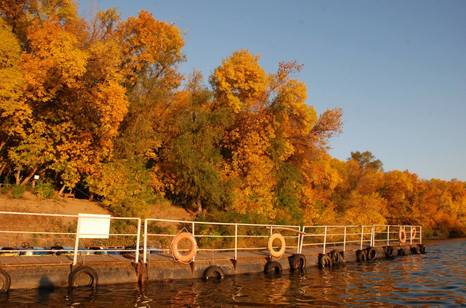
(2, 168)
(62, 189)
(29, 176)
(18, 176)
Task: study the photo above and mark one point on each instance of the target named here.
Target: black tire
(335, 256)
(361, 255)
(324, 261)
(297, 262)
(414, 250)
(83, 270)
(401, 252)
(422, 248)
(371, 253)
(388, 252)
(273, 267)
(5, 282)
(342, 256)
(213, 272)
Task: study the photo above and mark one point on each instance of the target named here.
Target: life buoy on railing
(180, 257)
(413, 233)
(276, 253)
(402, 235)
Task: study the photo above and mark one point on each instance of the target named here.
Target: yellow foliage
(54, 62)
(240, 83)
(150, 46)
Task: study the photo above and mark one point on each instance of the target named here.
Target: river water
(437, 278)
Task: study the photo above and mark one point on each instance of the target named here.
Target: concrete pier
(51, 271)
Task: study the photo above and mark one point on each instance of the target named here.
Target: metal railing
(232, 236)
(358, 236)
(18, 229)
(210, 236)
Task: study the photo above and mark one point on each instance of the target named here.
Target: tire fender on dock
(213, 272)
(324, 261)
(371, 253)
(401, 252)
(361, 255)
(272, 267)
(297, 262)
(80, 271)
(422, 248)
(5, 282)
(388, 252)
(337, 257)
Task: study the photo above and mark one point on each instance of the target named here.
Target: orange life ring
(402, 235)
(276, 253)
(413, 233)
(183, 257)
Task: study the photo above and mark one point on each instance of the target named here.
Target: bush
(44, 190)
(5, 188)
(18, 191)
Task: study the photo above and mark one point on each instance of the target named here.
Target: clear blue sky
(397, 68)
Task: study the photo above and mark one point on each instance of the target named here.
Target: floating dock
(164, 250)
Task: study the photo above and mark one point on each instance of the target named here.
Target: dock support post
(145, 242)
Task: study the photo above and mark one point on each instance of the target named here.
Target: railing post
(138, 239)
(302, 240)
(299, 239)
(325, 239)
(76, 245)
(192, 228)
(236, 242)
(362, 234)
(373, 236)
(344, 239)
(388, 235)
(410, 235)
(145, 241)
(420, 235)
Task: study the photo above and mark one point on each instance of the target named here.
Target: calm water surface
(437, 278)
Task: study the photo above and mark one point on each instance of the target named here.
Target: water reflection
(437, 278)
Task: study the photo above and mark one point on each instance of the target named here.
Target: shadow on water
(45, 290)
(436, 278)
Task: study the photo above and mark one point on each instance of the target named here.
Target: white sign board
(93, 226)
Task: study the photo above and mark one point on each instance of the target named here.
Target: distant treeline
(99, 108)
